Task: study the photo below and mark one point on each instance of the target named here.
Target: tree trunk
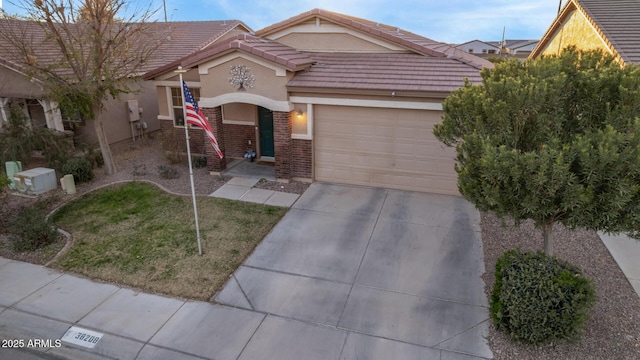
(547, 233)
(104, 144)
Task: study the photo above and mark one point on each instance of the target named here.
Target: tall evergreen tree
(555, 139)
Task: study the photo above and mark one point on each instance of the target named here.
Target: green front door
(265, 120)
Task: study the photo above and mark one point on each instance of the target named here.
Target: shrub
(30, 230)
(139, 170)
(167, 172)
(199, 162)
(540, 299)
(94, 157)
(18, 141)
(4, 182)
(80, 168)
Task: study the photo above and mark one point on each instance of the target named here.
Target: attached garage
(393, 148)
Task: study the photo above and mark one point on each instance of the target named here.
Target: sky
(451, 21)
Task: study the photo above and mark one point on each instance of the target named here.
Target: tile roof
(513, 44)
(189, 36)
(385, 71)
(176, 40)
(414, 42)
(289, 58)
(617, 22)
(495, 44)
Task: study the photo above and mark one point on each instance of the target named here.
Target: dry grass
(139, 236)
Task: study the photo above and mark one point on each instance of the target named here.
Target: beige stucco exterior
(115, 118)
(330, 43)
(326, 36)
(575, 30)
(15, 84)
(214, 79)
(240, 113)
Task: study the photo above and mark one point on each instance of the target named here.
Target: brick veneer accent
(214, 163)
(173, 138)
(282, 127)
(236, 139)
(302, 158)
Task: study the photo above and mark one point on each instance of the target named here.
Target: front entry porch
(247, 169)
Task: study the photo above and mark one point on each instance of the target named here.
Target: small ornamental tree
(555, 139)
(82, 52)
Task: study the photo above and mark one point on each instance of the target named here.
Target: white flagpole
(186, 134)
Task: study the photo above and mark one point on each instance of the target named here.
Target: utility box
(134, 110)
(35, 181)
(12, 167)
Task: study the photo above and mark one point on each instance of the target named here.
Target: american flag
(196, 117)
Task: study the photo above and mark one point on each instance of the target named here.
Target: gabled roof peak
(413, 42)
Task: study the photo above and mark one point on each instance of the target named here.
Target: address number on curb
(82, 337)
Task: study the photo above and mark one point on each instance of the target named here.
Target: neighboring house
(325, 97)
(512, 48)
(519, 48)
(480, 48)
(182, 38)
(612, 26)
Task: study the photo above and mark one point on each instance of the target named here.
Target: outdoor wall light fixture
(299, 113)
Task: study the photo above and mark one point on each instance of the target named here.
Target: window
(470, 51)
(176, 103)
(72, 117)
(492, 51)
(484, 51)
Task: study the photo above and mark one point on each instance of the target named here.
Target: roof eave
(372, 92)
(555, 25)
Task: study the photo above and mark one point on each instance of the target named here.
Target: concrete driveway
(365, 273)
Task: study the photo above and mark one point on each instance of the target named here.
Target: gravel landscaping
(613, 330)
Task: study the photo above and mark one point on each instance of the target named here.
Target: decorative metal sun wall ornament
(241, 78)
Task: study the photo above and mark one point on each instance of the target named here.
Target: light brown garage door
(392, 148)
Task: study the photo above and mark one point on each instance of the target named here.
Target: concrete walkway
(349, 273)
(241, 188)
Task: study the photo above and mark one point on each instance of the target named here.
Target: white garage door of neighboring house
(392, 148)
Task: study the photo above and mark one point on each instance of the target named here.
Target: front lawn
(140, 236)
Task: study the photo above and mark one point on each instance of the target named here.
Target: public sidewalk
(626, 252)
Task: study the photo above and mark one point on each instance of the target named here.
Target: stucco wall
(115, 118)
(576, 30)
(266, 83)
(330, 43)
(240, 112)
(13, 84)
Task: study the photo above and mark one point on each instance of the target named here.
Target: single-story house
(610, 26)
(327, 97)
(480, 48)
(119, 122)
(511, 48)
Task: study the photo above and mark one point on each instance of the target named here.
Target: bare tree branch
(84, 51)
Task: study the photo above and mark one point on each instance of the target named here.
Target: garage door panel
(392, 148)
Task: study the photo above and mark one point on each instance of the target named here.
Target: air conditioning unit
(35, 181)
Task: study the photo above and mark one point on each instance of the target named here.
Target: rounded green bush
(80, 168)
(540, 299)
(30, 230)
